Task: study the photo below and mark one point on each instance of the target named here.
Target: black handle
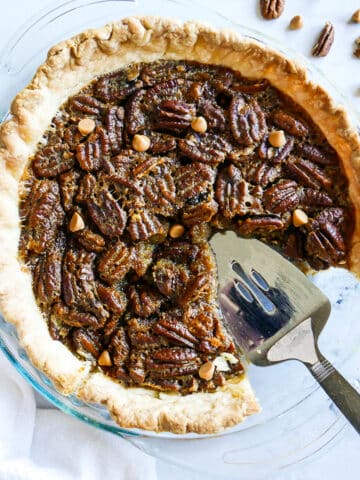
(345, 397)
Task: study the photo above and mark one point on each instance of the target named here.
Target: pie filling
(131, 179)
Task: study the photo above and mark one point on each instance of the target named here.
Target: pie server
(275, 313)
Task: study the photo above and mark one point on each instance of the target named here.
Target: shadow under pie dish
(106, 302)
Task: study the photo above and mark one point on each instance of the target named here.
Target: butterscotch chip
(199, 125)
(296, 23)
(104, 359)
(206, 371)
(76, 223)
(176, 231)
(86, 126)
(355, 18)
(277, 138)
(299, 218)
(141, 143)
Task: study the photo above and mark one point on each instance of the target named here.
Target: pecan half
(144, 225)
(203, 212)
(231, 192)
(290, 124)
(271, 9)
(174, 355)
(169, 370)
(76, 318)
(175, 331)
(159, 189)
(142, 258)
(115, 263)
(114, 121)
(170, 278)
(308, 174)
(247, 121)
(260, 224)
(86, 104)
(135, 119)
(68, 183)
(324, 42)
(282, 197)
(107, 214)
(91, 241)
(161, 143)
(214, 115)
(314, 198)
(207, 148)
(119, 348)
(194, 181)
(114, 300)
(326, 243)
(87, 341)
(72, 136)
(281, 154)
(47, 275)
(174, 115)
(316, 155)
(334, 215)
(86, 189)
(52, 160)
(78, 284)
(195, 289)
(179, 251)
(140, 334)
(143, 301)
(45, 215)
(94, 151)
(294, 247)
(114, 87)
(263, 174)
(250, 87)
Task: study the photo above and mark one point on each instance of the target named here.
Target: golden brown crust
(69, 66)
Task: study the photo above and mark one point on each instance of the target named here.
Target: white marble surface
(344, 70)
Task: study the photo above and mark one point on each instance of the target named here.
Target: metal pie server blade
(275, 313)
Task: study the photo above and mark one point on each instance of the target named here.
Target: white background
(343, 69)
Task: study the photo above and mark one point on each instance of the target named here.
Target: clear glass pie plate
(298, 422)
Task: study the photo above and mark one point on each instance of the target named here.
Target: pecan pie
(132, 145)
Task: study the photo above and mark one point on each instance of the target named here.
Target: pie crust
(69, 66)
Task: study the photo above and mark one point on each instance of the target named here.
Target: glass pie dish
(297, 422)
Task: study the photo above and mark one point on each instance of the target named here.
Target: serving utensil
(275, 313)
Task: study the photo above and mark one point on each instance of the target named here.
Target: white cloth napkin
(37, 444)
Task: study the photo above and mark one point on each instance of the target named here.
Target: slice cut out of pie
(130, 147)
